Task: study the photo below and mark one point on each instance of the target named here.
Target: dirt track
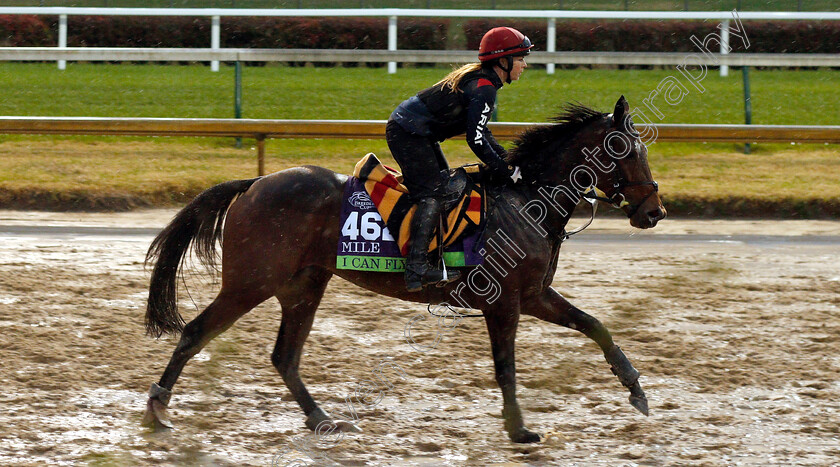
(737, 339)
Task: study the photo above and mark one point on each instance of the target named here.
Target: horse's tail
(199, 224)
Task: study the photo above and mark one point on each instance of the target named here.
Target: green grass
(95, 171)
(666, 5)
(778, 97)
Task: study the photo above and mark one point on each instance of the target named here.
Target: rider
(462, 102)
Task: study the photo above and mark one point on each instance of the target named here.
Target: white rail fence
(550, 57)
(94, 54)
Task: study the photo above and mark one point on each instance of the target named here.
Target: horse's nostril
(656, 214)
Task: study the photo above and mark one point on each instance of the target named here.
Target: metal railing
(261, 130)
(663, 5)
(551, 17)
(93, 54)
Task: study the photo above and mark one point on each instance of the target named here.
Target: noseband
(619, 193)
(617, 198)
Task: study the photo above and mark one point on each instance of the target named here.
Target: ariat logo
(482, 122)
(361, 200)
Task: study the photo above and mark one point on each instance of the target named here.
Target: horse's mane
(566, 124)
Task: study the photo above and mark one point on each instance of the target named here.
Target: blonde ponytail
(453, 79)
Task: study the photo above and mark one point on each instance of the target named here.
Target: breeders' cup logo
(361, 200)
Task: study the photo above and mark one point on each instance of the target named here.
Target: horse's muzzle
(656, 215)
(648, 219)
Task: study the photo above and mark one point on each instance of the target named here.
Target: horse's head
(588, 148)
(626, 180)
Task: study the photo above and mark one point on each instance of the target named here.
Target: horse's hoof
(318, 418)
(523, 435)
(156, 416)
(638, 398)
(328, 426)
(347, 427)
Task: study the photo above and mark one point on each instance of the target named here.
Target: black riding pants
(421, 161)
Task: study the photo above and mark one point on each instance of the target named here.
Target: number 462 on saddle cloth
(375, 204)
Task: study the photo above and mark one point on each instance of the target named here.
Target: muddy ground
(735, 327)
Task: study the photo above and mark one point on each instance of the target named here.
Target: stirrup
(448, 275)
(416, 281)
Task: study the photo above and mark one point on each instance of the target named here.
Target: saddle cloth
(463, 214)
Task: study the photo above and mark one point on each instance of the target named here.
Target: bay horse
(281, 234)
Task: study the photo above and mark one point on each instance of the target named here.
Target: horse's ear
(621, 109)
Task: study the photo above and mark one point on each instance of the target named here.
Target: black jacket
(443, 113)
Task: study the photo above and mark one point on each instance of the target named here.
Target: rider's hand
(501, 173)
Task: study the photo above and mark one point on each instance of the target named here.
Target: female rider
(460, 103)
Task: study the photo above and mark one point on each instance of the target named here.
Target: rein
(592, 196)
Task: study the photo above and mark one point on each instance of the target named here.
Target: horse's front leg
(552, 307)
(501, 324)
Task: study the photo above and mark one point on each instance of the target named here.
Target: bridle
(619, 183)
(615, 199)
(592, 197)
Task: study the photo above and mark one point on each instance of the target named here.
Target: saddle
(464, 201)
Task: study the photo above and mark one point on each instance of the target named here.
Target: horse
(280, 240)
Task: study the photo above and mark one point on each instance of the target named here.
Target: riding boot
(418, 272)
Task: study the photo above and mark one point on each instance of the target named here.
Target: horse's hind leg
(552, 307)
(300, 299)
(215, 319)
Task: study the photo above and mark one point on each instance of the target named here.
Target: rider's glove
(504, 173)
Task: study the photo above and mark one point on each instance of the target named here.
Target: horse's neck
(543, 206)
(553, 203)
(557, 202)
(540, 210)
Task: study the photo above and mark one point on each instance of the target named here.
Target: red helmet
(503, 42)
